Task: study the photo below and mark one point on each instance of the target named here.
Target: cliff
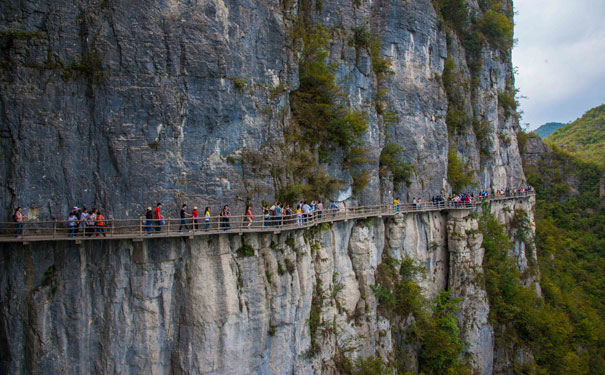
(297, 302)
(120, 105)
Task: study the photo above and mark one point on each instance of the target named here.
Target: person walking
(158, 217)
(225, 215)
(148, 220)
(278, 214)
(100, 224)
(194, 217)
(207, 217)
(72, 220)
(84, 220)
(288, 214)
(266, 216)
(18, 216)
(320, 209)
(184, 215)
(334, 208)
(90, 222)
(396, 204)
(249, 216)
(299, 215)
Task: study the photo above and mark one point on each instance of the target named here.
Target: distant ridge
(548, 128)
(584, 137)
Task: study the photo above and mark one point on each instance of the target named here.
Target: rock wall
(302, 299)
(118, 105)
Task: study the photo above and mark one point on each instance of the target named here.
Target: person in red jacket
(158, 217)
(100, 224)
(194, 216)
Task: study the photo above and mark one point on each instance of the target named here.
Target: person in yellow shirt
(396, 204)
(299, 215)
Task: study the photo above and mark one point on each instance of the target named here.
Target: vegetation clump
(457, 172)
(391, 160)
(245, 250)
(564, 328)
(435, 332)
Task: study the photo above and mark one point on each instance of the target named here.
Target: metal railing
(174, 227)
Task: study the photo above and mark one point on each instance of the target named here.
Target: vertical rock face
(116, 105)
(301, 302)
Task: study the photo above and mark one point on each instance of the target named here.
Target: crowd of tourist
(81, 221)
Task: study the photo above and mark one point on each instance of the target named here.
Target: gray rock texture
(120, 105)
(176, 306)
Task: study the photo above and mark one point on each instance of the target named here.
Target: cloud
(560, 58)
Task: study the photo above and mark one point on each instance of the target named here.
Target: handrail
(175, 227)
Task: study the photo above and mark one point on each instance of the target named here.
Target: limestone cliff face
(177, 306)
(119, 105)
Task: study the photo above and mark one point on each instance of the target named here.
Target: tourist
(225, 215)
(207, 218)
(18, 216)
(184, 215)
(100, 223)
(148, 220)
(83, 220)
(194, 217)
(420, 203)
(415, 203)
(320, 209)
(299, 215)
(334, 208)
(249, 216)
(158, 217)
(396, 204)
(72, 220)
(90, 222)
(278, 214)
(288, 215)
(266, 216)
(306, 212)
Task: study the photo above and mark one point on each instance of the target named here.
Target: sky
(559, 58)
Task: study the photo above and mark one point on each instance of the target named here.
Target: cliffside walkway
(137, 229)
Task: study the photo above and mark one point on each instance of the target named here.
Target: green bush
(454, 13)
(459, 175)
(435, 333)
(507, 101)
(498, 29)
(456, 116)
(245, 250)
(483, 131)
(391, 159)
(361, 37)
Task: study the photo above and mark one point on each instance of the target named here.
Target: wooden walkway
(138, 230)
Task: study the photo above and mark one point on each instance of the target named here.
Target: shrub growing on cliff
(497, 28)
(391, 160)
(459, 175)
(435, 330)
(322, 124)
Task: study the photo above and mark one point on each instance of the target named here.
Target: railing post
(55, 228)
(167, 226)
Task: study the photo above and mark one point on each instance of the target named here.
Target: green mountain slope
(584, 137)
(566, 329)
(548, 128)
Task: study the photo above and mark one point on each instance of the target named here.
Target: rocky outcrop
(293, 302)
(115, 105)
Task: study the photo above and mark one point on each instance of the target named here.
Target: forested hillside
(584, 137)
(567, 331)
(548, 128)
